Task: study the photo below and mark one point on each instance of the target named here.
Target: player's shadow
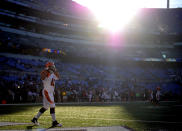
(49, 128)
(29, 128)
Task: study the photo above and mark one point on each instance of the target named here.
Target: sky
(114, 15)
(145, 3)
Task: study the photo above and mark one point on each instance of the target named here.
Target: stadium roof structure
(150, 27)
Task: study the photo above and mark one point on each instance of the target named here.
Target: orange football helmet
(49, 64)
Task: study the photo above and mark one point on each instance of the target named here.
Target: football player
(48, 76)
(158, 95)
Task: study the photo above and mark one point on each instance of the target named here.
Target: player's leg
(52, 112)
(36, 117)
(157, 99)
(54, 121)
(42, 110)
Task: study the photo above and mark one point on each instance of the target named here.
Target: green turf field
(136, 115)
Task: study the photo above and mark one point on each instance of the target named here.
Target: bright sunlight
(114, 15)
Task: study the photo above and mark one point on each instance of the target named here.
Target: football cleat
(35, 122)
(56, 124)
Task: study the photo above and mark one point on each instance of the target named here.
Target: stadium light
(164, 56)
(168, 4)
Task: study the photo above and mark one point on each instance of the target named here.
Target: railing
(38, 100)
(48, 37)
(43, 8)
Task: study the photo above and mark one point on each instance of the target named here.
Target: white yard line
(111, 128)
(12, 123)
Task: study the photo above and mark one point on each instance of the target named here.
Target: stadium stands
(80, 76)
(149, 57)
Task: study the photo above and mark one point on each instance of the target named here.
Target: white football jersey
(49, 82)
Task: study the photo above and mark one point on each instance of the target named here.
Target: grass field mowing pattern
(135, 115)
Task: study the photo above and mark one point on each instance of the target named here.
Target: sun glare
(112, 15)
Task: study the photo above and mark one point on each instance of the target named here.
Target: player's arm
(44, 74)
(56, 73)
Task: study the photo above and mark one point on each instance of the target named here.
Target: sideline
(111, 128)
(84, 103)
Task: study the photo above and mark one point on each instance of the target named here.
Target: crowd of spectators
(20, 82)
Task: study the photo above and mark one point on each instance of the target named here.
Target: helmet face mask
(50, 66)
